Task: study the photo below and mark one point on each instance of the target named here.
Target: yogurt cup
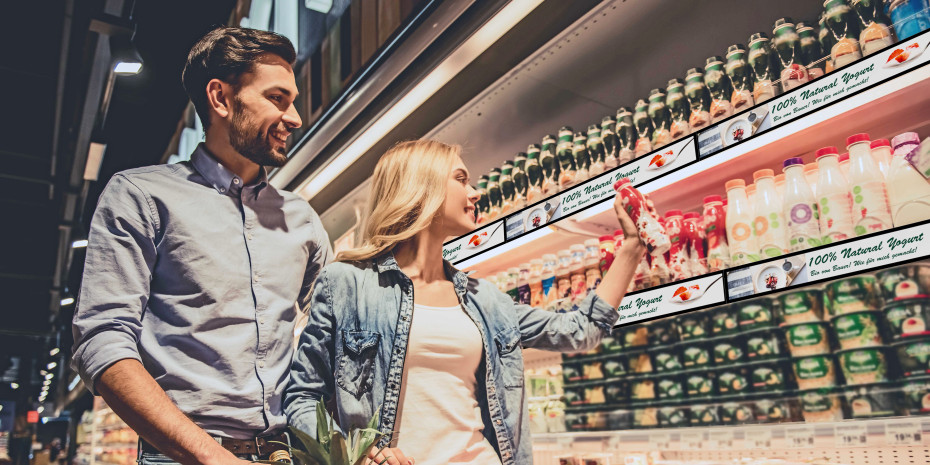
(908, 318)
(663, 331)
(738, 413)
(814, 372)
(614, 366)
(733, 380)
(872, 400)
(820, 405)
(913, 355)
(724, 320)
(801, 306)
(806, 339)
(619, 419)
(916, 392)
(694, 325)
(851, 295)
(617, 391)
(774, 409)
(858, 330)
(674, 416)
(864, 366)
(645, 417)
(701, 384)
(696, 354)
(704, 415)
(728, 351)
(666, 359)
(756, 313)
(768, 377)
(643, 389)
(670, 386)
(765, 344)
(904, 282)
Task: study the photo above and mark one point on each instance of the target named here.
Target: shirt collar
(222, 179)
(387, 262)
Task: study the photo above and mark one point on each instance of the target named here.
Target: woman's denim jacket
(353, 348)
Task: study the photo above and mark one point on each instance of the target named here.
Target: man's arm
(135, 396)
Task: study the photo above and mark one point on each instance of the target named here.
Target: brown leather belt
(262, 446)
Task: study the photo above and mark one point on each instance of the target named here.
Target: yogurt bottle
(800, 207)
(693, 233)
(780, 186)
(650, 231)
(811, 173)
(537, 298)
(768, 226)
(836, 221)
(549, 287)
(908, 190)
(715, 231)
(523, 284)
(870, 198)
(881, 153)
(592, 261)
(679, 261)
(844, 165)
(742, 244)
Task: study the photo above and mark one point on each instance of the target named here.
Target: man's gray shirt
(197, 275)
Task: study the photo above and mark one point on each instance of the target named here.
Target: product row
(796, 54)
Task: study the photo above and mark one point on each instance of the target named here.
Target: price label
(566, 442)
(851, 435)
(722, 439)
(691, 440)
(660, 441)
(903, 433)
(758, 438)
(799, 437)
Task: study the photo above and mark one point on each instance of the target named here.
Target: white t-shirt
(439, 416)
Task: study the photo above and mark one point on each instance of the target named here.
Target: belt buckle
(258, 449)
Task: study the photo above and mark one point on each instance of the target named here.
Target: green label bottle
(661, 118)
(520, 181)
(811, 53)
(643, 124)
(680, 109)
(582, 157)
(596, 150)
(740, 75)
(875, 33)
(549, 161)
(563, 151)
(827, 41)
(508, 190)
(699, 98)
(484, 204)
(611, 143)
(495, 196)
(534, 174)
(788, 49)
(720, 88)
(626, 135)
(841, 21)
(764, 71)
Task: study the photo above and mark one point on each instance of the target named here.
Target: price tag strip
(691, 440)
(799, 437)
(903, 433)
(853, 434)
(660, 441)
(720, 439)
(757, 438)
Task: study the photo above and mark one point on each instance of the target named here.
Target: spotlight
(126, 59)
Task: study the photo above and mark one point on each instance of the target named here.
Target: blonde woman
(395, 327)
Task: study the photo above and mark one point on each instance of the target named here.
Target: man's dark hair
(226, 53)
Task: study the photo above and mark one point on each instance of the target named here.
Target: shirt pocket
(511, 357)
(360, 348)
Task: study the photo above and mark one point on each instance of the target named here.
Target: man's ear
(219, 97)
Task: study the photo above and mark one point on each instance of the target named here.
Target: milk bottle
(870, 198)
(743, 246)
(836, 222)
(769, 223)
(908, 190)
(881, 153)
(800, 208)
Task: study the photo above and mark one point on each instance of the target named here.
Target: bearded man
(196, 273)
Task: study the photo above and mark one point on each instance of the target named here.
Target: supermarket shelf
(901, 440)
(117, 445)
(883, 111)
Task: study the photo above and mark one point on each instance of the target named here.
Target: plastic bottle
(592, 264)
(606, 250)
(626, 135)
(780, 186)
(845, 28)
(910, 17)
(611, 142)
(596, 151)
(700, 99)
(751, 195)
(679, 261)
(650, 231)
(523, 284)
(800, 207)
(720, 87)
(844, 165)
(564, 281)
(881, 153)
(502, 282)
(566, 158)
(678, 105)
(811, 173)
(495, 196)
(870, 197)
(513, 278)
(577, 269)
(811, 51)
(836, 222)
(715, 231)
(743, 246)
(762, 61)
(644, 129)
(534, 175)
(908, 190)
(537, 299)
(508, 190)
(769, 223)
(549, 288)
(583, 159)
(661, 117)
(787, 44)
(550, 164)
(875, 33)
(694, 239)
(521, 182)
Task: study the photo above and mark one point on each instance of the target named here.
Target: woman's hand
(389, 456)
(626, 223)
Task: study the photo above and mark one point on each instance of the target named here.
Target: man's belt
(262, 446)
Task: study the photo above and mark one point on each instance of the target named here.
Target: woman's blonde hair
(407, 190)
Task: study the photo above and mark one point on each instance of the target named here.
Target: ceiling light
(14, 386)
(78, 245)
(52, 365)
(40, 409)
(46, 382)
(43, 372)
(54, 351)
(49, 376)
(67, 301)
(126, 59)
(464, 55)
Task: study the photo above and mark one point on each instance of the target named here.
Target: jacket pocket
(359, 351)
(511, 357)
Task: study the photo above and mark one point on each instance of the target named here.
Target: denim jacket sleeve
(566, 332)
(312, 373)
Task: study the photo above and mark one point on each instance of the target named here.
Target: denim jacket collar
(387, 262)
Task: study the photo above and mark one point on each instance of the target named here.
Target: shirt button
(249, 236)
(261, 364)
(222, 189)
(236, 181)
(255, 277)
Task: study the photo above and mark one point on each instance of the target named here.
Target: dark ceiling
(35, 179)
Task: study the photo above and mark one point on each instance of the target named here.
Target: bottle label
(769, 231)
(870, 208)
(741, 251)
(835, 219)
(803, 227)
(579, 286)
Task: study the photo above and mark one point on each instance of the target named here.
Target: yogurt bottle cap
(672, 213)
(734, 183)
(827, 151)
(844, 157)
(618, 232)
(713, 198)
(905, 138)
(793, 161)
(607, 238)
(880, 143)
(765, 173)
(862, 137)
(692, 215)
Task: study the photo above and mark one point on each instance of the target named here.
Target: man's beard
(248, 139)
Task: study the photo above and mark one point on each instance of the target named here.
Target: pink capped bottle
(679, 261)
(715, 231)
(836, 222)
(693, 233)
(650, 231)
(870, 209)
